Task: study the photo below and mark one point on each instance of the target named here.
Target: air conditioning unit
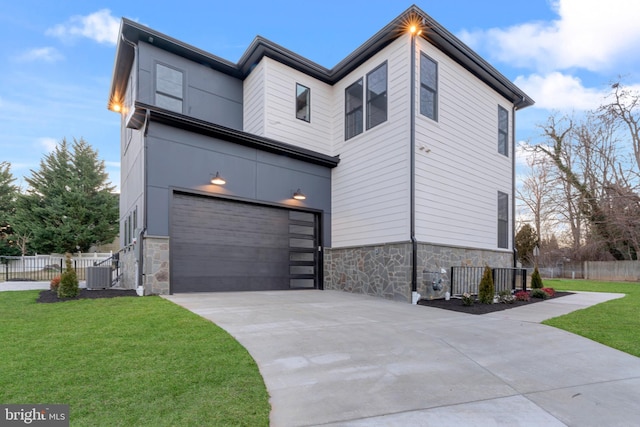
(98, 277)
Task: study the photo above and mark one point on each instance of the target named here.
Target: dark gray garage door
(224, 245)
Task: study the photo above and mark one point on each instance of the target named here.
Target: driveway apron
(340, 359)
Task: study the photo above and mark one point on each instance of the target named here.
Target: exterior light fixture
(218, 180)
(298, 195)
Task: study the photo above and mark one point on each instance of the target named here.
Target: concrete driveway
(339, 359)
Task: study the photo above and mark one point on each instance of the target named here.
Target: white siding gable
(253, 101)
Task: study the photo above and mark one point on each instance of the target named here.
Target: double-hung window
(428, 87)
(503, 131)
(377, 96)
(353, 110)
(169, 88)
(303, 103)
(503, 220)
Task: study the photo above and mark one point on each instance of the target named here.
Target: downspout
(412, 171)
(145, 202)
(513, 180)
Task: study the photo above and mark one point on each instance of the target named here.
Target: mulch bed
(455, 304)
(51, 296)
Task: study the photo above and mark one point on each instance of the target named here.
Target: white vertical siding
(370, 197)
(253, 101)
(458, 168)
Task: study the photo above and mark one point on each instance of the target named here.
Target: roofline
(131, 33)
(143, 111)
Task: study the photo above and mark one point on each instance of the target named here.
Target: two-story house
(278, 173)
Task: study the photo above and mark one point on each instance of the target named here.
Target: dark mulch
(51, 296)
(455, 304)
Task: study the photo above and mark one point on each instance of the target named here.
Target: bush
(467, 299)
(54, 284)
(550, 291)
(536, 280)
(68, 281)
(522, 296)
(539, 293)
(486, 289)
(506, 297)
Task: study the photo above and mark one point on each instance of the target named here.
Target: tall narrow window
(503, 220)
(169, 93)
(303, 103)
(353, 110)
(428, 87)
(503, 131)
(377, 96)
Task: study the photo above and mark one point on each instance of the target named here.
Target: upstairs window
(169, 88)
(377, 96)
(428, 87)
(303, 103)
(503, 220)
(503, 131)
(353, 110)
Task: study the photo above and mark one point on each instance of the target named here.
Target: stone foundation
(128, 268)
(385, 270)
(156, 265)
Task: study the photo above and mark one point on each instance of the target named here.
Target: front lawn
(614, 323)
(126, 361)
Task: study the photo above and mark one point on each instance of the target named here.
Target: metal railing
(40, 268)
(114, 262)
(467, 279)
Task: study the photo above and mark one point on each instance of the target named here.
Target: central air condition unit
(98, 277)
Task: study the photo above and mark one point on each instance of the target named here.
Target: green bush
(536, 280)
(68, 287)
(539, 293)
(467, 299)
(485, 289)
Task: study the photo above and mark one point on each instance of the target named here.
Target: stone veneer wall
(385, 270)
(128, 268)
(156, 265)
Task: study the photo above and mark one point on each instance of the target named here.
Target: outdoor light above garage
(298, 195)
(218, 180)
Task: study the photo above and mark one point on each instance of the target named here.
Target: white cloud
(100, 26)
(46, 54)
(590, 34)
(557, 91)
(112, 165)
(49, 144)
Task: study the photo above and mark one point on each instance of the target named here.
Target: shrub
(539, 293)
(550, 291)
(536, 280)
(522, 296)
(506, 297)
(486, 289)
(467, 299)
(68, 281)
(55, 283)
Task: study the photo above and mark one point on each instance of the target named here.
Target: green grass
(126, 361)
(614, 323)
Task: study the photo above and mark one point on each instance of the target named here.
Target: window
(377, 96)
(503, 220)
(503, 131)
(168, 88)
(353, 110)
(428, 87)
(303, 103)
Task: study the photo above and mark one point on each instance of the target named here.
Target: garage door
(224, 245)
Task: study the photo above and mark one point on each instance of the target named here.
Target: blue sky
(57, 57)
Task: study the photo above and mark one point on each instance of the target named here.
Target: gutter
(412, 171)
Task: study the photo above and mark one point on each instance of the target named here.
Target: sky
(57, 56)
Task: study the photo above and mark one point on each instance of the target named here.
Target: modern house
(278, 173)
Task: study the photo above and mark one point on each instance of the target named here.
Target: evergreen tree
(68, 287)
(526, 241)
(486, 289)
(536, 279)
(69, 204)
(8, 193)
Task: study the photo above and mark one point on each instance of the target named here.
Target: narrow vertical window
(353, 110)
(503, 220)
(169, 92)
(428, 87)
(503, 131)
(303, 103)
(377, 96)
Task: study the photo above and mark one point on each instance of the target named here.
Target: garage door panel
(224, 245)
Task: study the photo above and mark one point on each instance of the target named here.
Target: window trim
(384, 94)
(308, 106)
(156, 91)
(347, 113)
(423, 57)
(504, 132)
(503, 221)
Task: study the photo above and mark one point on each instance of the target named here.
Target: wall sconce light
(298, 195)
(218, 180)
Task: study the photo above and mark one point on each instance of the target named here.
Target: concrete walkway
(339, 359)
